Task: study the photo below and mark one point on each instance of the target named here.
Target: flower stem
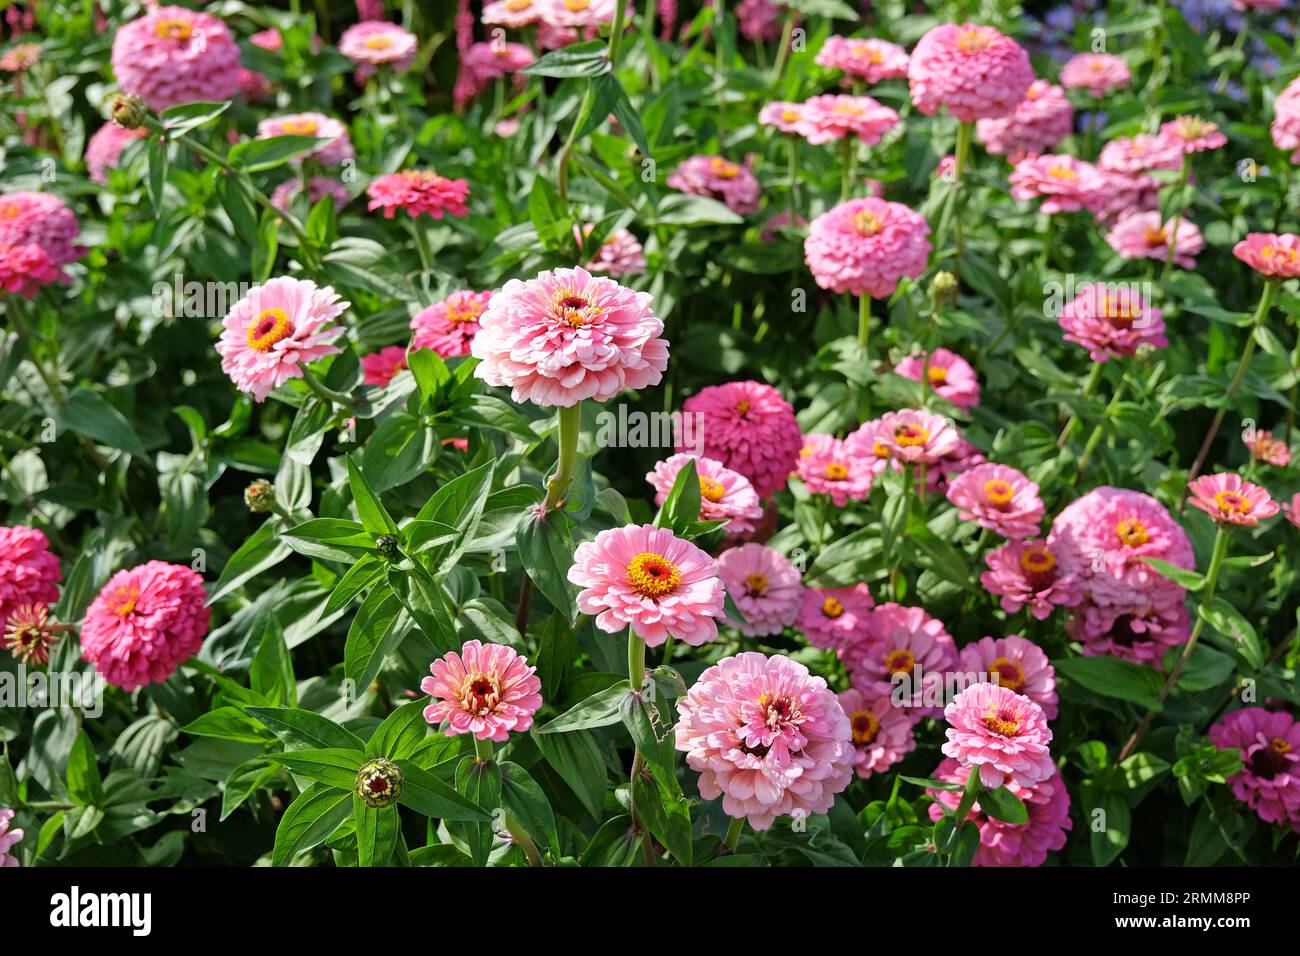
(1088, 388)
(558, 484)
(848, 167)
(1184, 172)
(616, 31)
(1098, 430)
(864, 324)
(635, 662)
(778, 66)
(733, 834)
(327, 394)
(483, 750)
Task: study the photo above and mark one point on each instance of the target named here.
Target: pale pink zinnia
(827, 467)
(1064, 183)
(882, 733)
(871, 59)
(576, 13)
(1285, 128)
(1229, 500)
(1098, 73)
(1040, 121)
(948, 374)
(906, 654)
(787, 117)
(41, 219)
(488, 61)
(318, 187)
(276, 329)
(620, 254)
(917, 437)
(1138, 154)
(1293, 510)
(487, 690)
(335, 148)
(999, 498)
(1267, 448)
(566, 336)
(1026, 573)
(381, 367)
(1269, 745)
(511, 13)
(871, 444)
(865, 246)
(1193, 134)
(9, 838)
(825, 119)
(1112, 322)
(1002, 734)
(105, 147)
(1020, 666)
(835, 618)
(145, 623)
(418, 192)
(975, 71)
(765, 586)
(766, 736)
(29, 573)
(1143, 236)
(725, 495)
(648, 579)
(172, 55)
(717, 178)
(1271, 255)
(750, 428)
(376, 43)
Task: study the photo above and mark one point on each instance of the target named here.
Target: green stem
(421, 244)
(566, 465)
(325, 393)
(848, 166)
(733, 834)
(1097, 431)
(647, 43)
(1088, 388)
(616, 31)
(519, 836)
(17, 311)
(778, 66)
(793, 167)
(968, 797)
(635, 662)
(668, 649)
(483, 750)
(864, 325)
(1183, 174)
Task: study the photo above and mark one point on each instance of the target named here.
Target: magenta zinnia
(1229, 500)
(29, 573)
(750, 428)
(418, 192)
(487, 690)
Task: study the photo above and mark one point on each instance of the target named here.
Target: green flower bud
(260, 497)
(379, 783)
(388, 546)
(943, 288)
(127, 111)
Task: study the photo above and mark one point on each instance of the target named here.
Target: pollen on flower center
(1037, 561)
(515, 6)
(836, 472)
(1116, 312)
(974, 41)
(1062, 172)
(1193, 127)
(1002, 723)
(998, 492)
(1010, 674)
(272, 326)
(480, 694)
(301, 126)
(379, 42)
(122, 601)
(742, 406)
(832, 607)
(576, 5)
(910, 435)
(575, 310)
(711, 490)
(865, 726)
(1230, 501)
(1156, 237)
(722, 168)
(777, 710)
(174, 28)
(937, 374)
(756, 583)
(867, 223)
(900, 661)
(1132, 532)
(653, 575)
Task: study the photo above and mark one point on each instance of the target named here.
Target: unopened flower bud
(388, 546)
(127, 111)
(379, 783)
(943, 288)
(260, 496)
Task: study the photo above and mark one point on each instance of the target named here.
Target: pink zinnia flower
(1010, 844)
(1125, 194)
(269, 39)
(491, 60)
(871, 59)
(1269, 254)
(758, 19)
(905, 654)
(336, 149)
(26, 269)
(145, 623)
(1112, 322)
(882, 733)
(1192, 134)
(864, 246)
(487, 690)
(381, 367)
(787, 117)
(1002, 734)
(766, 736)
(1064, 183)
(1229, 500)
(1268, 449)
(40, 219)
(576, 13)
(750, 428)
(1026, 573)
(318, 187)
(1020, 666)
(765, 586)
(871, 445)
(648, 579)
(619, 255)
(1137, 154)
(172, 55)
(947, 373)
(975, 71)
(105, 147)
(511, 13)
(999, 498)
(1040, 121)
(824, 119)
(448, 327)
(29, 573)
(725, 495)
(835, 618)
(718, 178)
(1098, 73)
(375, 43)
(568, 335)
(1285, 128)
(1269, 744)
(826, 467)
(8, 839)
(418, 192)
(1293, 510)
(917, 437)
(1138, 632)
(275, 329)
(1142, 236)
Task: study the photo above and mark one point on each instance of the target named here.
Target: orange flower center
(974, 40)
(653, 575)
(711, 490)
(1062, 172)
(272, 325)
(836, 472)
(1117, 312)
(517, 5)
(867, 223)
(790, 115)
(742, 406)
(466, 312)
(173, 28)
(1002, 723)
(832, 607)
(865, 726)
(937, 374)
(879, 450)
(1278, 745)
(1230, 501)
(900, 661)
(300, 126)
(998, 492)
(911, 435)
(722, 168)
(122, 601)
(1132, 532)
(1037, 560)
(575, 310)
(756, 583)
(8, 210)
(379, 42)
(1156, 237)
(1010, 674)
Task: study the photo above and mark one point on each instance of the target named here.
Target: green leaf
(682, 506)
(178, 120)
(527, 805)
(310, 820)
(1109, 822)
(374, 634)
(244, 781)
(459, 504)
(1190, 580)
(599, 710)
(930, 783)
(1112, 677)
(377, 831)
(480, 782)
(90, 414)
(305, 729)
(374, 517)
(334, 766)
(423, 600)
(1002, 804)
(260, 155)
(401, 732)
(228, 723)
(261, 552)
(1227, 620)
(424, 793)
(355, 580)
(399, 450)
(271, 673)
(580, 762)
(546, 550)
(578, 59)
(84, 783)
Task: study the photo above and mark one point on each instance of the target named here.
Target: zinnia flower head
(718, 178)
(1098, 73)
(1269, 254)
(145, 623)
(318, 187)
(1001, 734)
(418, 192)
(766, 587)
(511, 13)
(1229, 500)
(568, 335)
(1064, 183)
(870, 444)
(105, 147)
(1111, 322)
(1293, 510)
(882, 733)
(999, 498)
(488, 61)
(576, 13)
(29, 573)
(1138, 154)
(751, 429)
(1269, 744)
(276, 329)
(1027, 573)
(1285, 128)
(8, 839)
(487, 690)
(824, 119)
(1266, 448)
(337, 145)
(619, 255)
(20, 58)
(725, 495)
(1125, 194)
(40, 219)
(835, 618)
(917, 437)
(382, 367)
(172, 55)
(1020, 666)
(864, 246)
(766, 736)
(29, 634)
(651, 580)
(375, 43)
(1010, 844)
(1039, 121)
(1192, 134)
(449, 326)
(826, 467)
(1141, 631)
(902, 641)
(1143, 236)
(26, 269)
(975, 71)
(871, 59)
(947, 373)
(787, 117)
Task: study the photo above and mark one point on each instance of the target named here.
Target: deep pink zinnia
(1229, 500)
(276, 329)
(1269, 744)
(1065, 184)
(1141, 631)
(418, 192)
(1112, 322)
(766, 736)
(1040, 121)
(337, 145)
(917, 437)
(1266, 448)
(948, 374)
(566, 336)
(1098, 73)
(906, 655)
(1192, 134)
(827, 467)
(172, 55)
(882, 733)
(864, 246)
(1020, 666)
(871, 59)
(725, 495)
(42, 219)
(718, 178)
(1026, 573)
(649, 579)
(449, 326)
(975, 71)
(145, 623)
(1269, 254)
(765, 586)
(105, 147)
(750, 428)
(835, 618)
(487, 690)
(1143, 236)
(1000, 498)
(26, 269)
(29, 573)
(825, 119)
(1001, 733)
(1138, 154)
(382, 367)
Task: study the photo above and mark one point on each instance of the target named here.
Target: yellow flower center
(1278, 745)
(122, 601)
(8, 210)
(911, 435)
(1230, 501)
(653, 575)
(998, 492)
(464, 312)
(379, 42)
(756, 583)
(1037, 560)
(1156, 237)
(575, 310)
(1132, 532)
(974, 40)
(742, 406)
(879, 450)
(1193, 127)
(271, 326)
(867, 223)
(173, 28)
(1062, 172)
(849, 108)
(937, 374)
(722, 168)
(479, 694)
(1117, 312)
(300, 126)
(516, 5)
(900, 661)
(790, 115)
(865, 726)
(836, 472)
(711, 490)
(1010, 674)
(832, 607)
(1002, 723)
